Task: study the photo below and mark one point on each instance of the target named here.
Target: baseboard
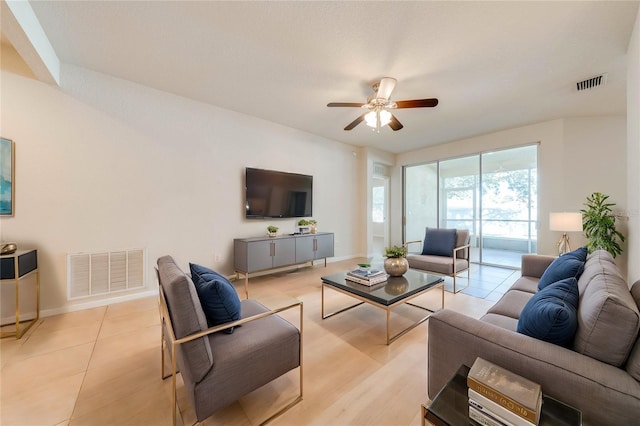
(97, 303)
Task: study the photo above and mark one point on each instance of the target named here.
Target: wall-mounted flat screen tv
(270, 193)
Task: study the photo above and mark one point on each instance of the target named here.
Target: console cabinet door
(259, 255)
(284, 252)
(305, 249)
(323, 246)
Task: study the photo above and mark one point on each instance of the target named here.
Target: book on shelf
(487, 406)
(509, 390)
(483, 418)
(368, 281)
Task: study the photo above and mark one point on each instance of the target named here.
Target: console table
(264, 253)
(14, 268)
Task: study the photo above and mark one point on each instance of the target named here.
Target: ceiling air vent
(592, 82)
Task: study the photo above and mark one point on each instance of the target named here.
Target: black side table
(451, 407)
(14, 268)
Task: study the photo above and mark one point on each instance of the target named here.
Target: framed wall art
(7, 177)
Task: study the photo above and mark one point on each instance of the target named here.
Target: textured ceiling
(493, 65)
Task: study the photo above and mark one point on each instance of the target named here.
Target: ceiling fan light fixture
(371, 119)
(377, 119)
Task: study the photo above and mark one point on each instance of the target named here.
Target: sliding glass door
(492, 194)
(509, 205)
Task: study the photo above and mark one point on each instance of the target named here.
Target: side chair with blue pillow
(444, 251)
(222, 347)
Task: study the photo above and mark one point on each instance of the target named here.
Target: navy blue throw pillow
(439, 241)
(565, 266)
(217, 295)
(580, 254)
(552, 313)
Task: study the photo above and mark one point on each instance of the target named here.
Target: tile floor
(101, 366)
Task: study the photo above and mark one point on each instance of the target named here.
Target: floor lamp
(565, 222)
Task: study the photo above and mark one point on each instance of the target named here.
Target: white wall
(107, 164)
(576, 157)
(633, 152)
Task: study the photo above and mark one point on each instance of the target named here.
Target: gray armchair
(219, 368)
(445, 251)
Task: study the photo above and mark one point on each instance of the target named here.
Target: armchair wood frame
(167, 326)
(454, 256)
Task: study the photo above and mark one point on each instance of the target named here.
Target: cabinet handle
(315, 245)
(273, 249)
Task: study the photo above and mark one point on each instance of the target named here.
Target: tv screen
(269, 193)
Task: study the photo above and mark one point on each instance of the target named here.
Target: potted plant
(312, 225)
(272, 230)
(396, 263)
(303, 226)
(599, 225)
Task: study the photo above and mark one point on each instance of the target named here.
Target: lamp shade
(565, 222)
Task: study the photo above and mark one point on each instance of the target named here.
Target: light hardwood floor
(102, 366)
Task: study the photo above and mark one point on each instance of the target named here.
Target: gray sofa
(600, 374)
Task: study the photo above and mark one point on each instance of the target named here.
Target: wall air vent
(105, 273)
(592, 82)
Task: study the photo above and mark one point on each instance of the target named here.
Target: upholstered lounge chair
(219, 368)
(445, 251)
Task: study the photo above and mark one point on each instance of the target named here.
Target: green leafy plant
(395, 251)
(272, 229)
(312, 221)
(599, 225)
(303, 222)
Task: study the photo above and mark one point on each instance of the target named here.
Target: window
(377, 212)
(493, 194)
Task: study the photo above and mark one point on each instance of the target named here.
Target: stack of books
(498, 397)
(367, 276)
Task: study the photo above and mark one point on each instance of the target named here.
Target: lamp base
(563, 244)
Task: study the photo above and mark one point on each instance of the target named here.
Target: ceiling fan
(378, 105)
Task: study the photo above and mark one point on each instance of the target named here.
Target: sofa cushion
(561, 268)
(217, 295)
(550, 315)
(524, 283)
(501, 321)
(511, 304)
(633, 363)
(608, 317)
(439, 242)
(439, 264)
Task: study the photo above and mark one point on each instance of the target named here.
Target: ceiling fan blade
(355, 122)
(395, 124)
(386, 87)
(345, 104)
(417, 103)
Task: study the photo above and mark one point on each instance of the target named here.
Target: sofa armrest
(605, 394)
(534, 265)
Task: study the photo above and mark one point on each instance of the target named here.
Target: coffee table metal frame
(405, 300)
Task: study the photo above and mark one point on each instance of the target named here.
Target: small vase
(396, 266)
(272, 234)
(313, 228)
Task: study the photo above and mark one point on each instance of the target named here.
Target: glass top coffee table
(387, 295)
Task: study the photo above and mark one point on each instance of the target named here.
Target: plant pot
(272, 234)
(396, 266)
(313, 228)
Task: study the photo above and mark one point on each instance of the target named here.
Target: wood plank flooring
(102, 366)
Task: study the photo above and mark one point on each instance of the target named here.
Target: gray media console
(263, 253)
